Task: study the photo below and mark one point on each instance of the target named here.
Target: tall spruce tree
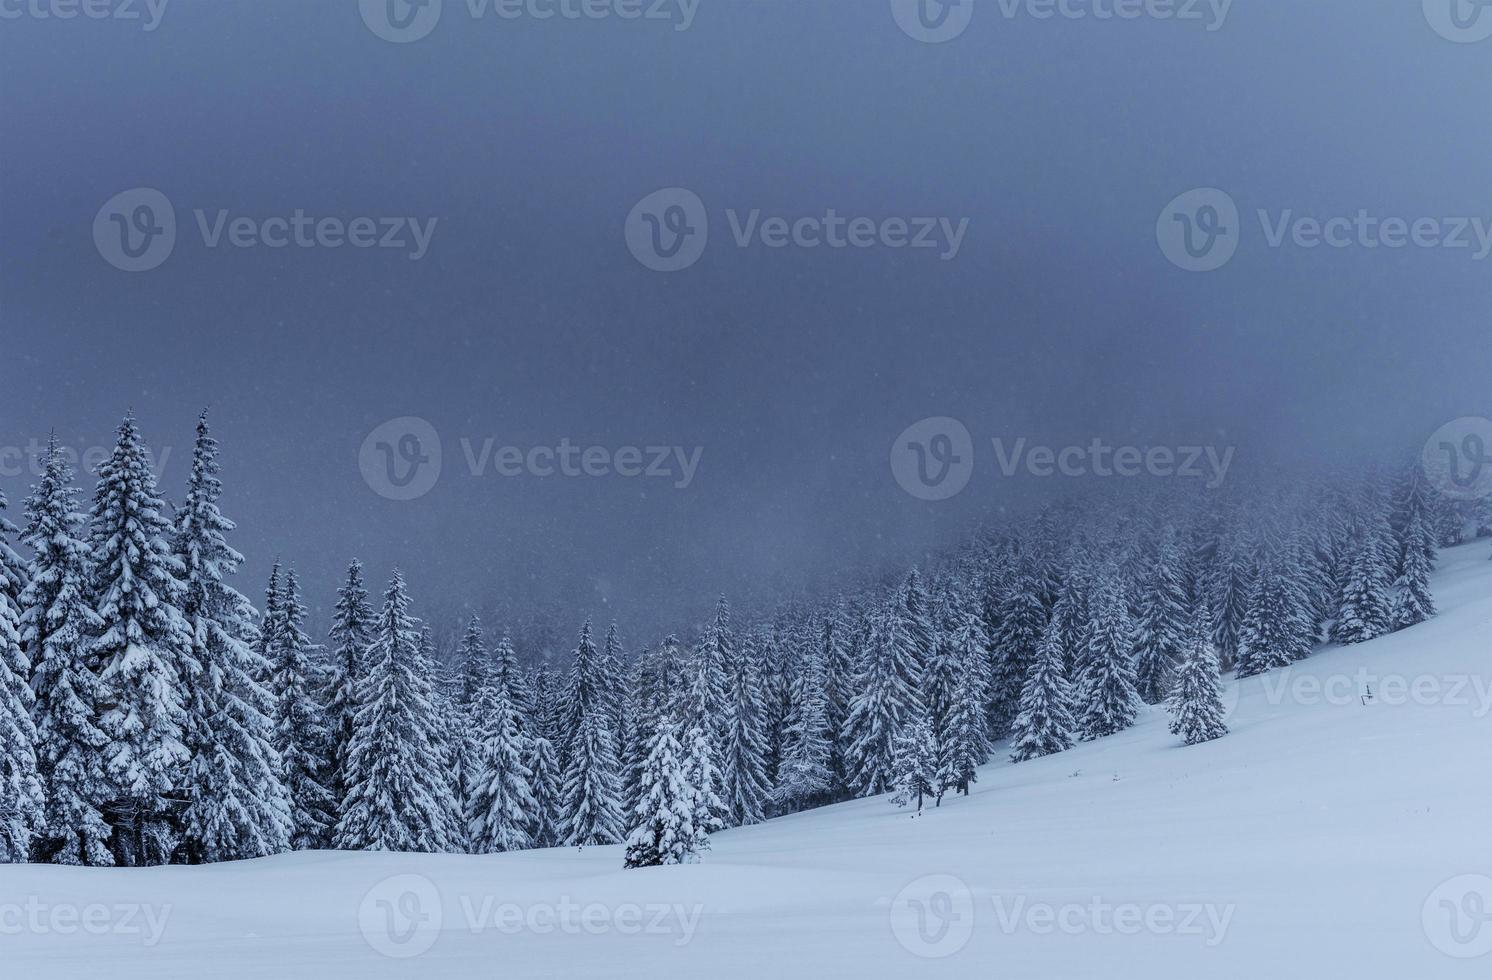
(350, 640)
(887, 701)
(142, 646)
(300, 734)
(915, 776)
(592, 784)
(743, 764)
(545, 785)
(1023, 620)
(1196, 706)
(1276, 630)
(1162, 621)
(236, 804)
(56, 625)
(395, 803)
(500, 810)
(1045, 724)
(1109, 701)
(804, 779)
(663, 830)
(964, 741)
(21, 796)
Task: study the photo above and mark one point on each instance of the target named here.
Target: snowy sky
(527, 321)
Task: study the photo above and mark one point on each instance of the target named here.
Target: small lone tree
(916, 772)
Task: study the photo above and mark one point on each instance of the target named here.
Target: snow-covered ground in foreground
(1329, 835)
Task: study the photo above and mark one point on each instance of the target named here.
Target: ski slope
(1330, 835)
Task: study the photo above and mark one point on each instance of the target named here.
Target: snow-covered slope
(1329, 835)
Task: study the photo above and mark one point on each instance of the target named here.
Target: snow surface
(1325, 837)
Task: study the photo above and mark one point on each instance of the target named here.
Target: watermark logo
(147, 13)
(29, 459)
(1457, 459)
(40, 918)
(933, 21)
(1470, 693)
(1199, 230)
(1457, 917)
(933, 459)
(135, 230)
(401, 917)
(401, 21)
(1461, 21)
(667, 231)
(933, 917)
(401, 459)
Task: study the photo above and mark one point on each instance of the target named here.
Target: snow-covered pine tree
(804, 779)
(142, 648)
(841, 667)
(1109, 702)
(941, 670)
(711, 696)
(1228, 585)
(447, 737)
(1162, 621)
(1195, 704)
(663, 829)
(21, 796)
(1412, 602)
(592, 785)
(350, 639)
(886, 702)
(1367, 609)
(1276, 629)
(915, 777)
(501, 808)
(300, 735)
(743, 765)
(965, 740)
(1045, 724)
(395, 803)
(703, 768)
(56, 623)
(613, 668)
(236, 804)
(545, 784)
(474, 675)
(1023, 619)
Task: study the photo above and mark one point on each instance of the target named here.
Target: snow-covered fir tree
(804, 779)
(1161, 622)
(1109, 702)
(350, 639)
(1276, 629)
(1045, 724)
(395, 803)
(915, 776)
(142, 647)
(1196, 704)
(743, 761)
(663, 830)
(21, 797)
(236, 804)
(1367, 607)
(300, 735)
(886, 702)
(964, 741)
(1412, 602)
(545, 785)
(592, 783)
(1023, 619)
(500, 807)
(56, 623)
(841, 668)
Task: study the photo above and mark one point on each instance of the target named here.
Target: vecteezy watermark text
(28, 459)
(402, 459)
(939, 21)
(667, 231)
(36, 916)
(935, 916)
(147, 13)
(402, 917)
(405, 21)
(1201, 231)
(934, 460)
(136, 231)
